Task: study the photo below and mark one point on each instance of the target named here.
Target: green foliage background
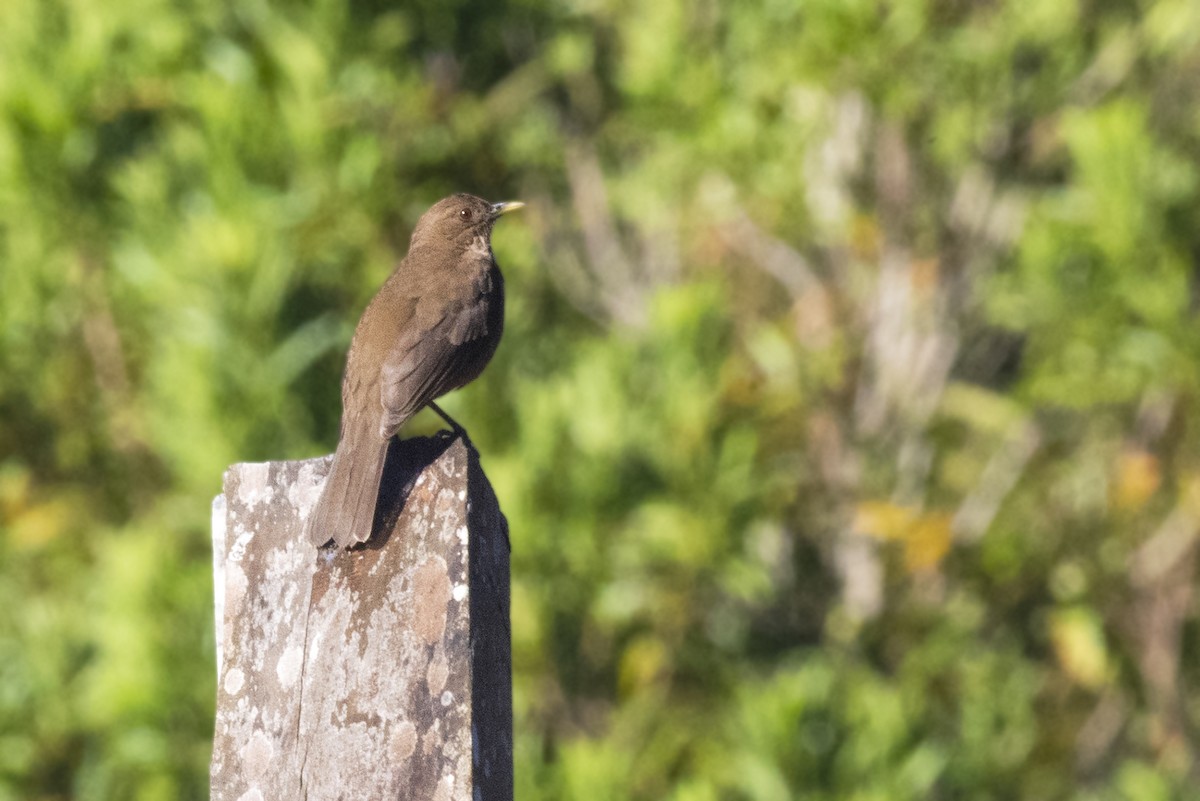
(846, 420)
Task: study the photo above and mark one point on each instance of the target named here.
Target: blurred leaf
(1138, 477)
(926, 536)
(1079, 645)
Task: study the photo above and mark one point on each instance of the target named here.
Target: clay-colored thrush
(432, 328)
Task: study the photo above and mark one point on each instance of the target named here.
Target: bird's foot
(459, 431)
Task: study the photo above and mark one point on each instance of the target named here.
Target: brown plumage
(432, 327)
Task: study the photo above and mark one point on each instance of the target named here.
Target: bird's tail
(346, 510)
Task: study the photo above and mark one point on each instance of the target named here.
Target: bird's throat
(480, 248)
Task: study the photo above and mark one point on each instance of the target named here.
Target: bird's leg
(458, 430)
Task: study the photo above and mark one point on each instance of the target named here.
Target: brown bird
(432, 328)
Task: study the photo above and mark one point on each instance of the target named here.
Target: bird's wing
(428, 360)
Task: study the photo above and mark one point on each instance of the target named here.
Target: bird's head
(460, 221)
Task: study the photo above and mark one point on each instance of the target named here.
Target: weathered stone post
(382, 672)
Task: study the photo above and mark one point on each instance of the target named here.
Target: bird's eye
(465, 214)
